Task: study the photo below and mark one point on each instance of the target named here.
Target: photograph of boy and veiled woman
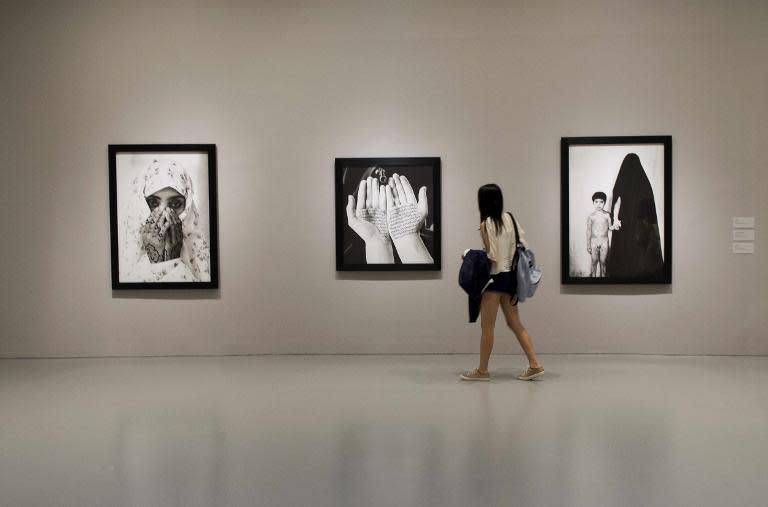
(162, 222)
(618, 212)
(387, 214)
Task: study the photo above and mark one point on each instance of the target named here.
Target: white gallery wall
(284, 87)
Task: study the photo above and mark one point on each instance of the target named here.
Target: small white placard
(744, 222)
(743, 234)
(743, 248)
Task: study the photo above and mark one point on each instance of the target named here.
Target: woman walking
(498, 232)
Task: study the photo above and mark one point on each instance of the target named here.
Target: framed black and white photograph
(387, 214)
(616, 205)
(163, 219)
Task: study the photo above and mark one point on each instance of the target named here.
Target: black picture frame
(421, 171)
(206, 244)
(587, 164)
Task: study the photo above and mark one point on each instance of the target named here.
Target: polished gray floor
(383, 430)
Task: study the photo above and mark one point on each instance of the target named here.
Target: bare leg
(603, 257)
(489, 308)
(596, 267)
(513, 321)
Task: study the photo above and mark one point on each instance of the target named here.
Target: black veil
(636, 248)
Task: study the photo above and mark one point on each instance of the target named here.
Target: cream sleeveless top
(501, 247)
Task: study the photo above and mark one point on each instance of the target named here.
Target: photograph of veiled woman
(163, 217)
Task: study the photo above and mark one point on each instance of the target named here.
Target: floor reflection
(381, 431)
(396, 462)
(171, 460)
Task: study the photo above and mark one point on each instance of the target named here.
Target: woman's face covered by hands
(161, 234)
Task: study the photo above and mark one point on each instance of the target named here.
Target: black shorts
(505, 282)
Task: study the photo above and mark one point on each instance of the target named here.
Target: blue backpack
(524, 264)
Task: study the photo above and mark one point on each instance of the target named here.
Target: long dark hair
(491, 204)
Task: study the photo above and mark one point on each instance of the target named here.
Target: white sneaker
(531, 373)
(475, 375)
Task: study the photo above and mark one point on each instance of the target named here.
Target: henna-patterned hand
(174, 237)
(161, 235)
(153, 236)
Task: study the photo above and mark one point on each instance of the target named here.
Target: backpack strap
(518, 245)
(517, 232)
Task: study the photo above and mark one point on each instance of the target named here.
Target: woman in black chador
(635, 250)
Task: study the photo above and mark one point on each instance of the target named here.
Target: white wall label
(743, 234)
(743, 248)
(744, 222)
